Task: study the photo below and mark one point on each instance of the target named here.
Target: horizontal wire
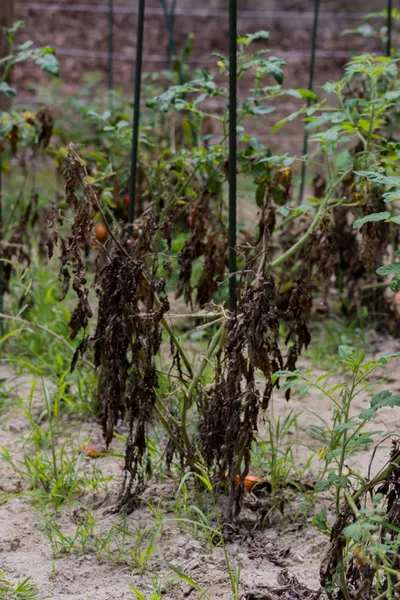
(192, 12)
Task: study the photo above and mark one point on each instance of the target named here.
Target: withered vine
(132, 304)
(295, 252)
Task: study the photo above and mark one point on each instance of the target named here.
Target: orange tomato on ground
(93, 451)
(101, 232)
(249, 481)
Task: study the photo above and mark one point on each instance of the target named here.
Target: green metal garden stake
(110, 44)
(136, 115)
(232, 151)
(170, 21)
(389, 29)
(310, 87)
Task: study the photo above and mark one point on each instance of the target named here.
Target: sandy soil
(261, 555)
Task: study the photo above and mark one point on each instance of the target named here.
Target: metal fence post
(136, 114)
(110, 44)
(310, 87)
(389, 29)
(232, 151)
(170, 21)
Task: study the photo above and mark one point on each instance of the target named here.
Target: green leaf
(342, 482)
(204, 480)
(283, 122)
(7, 90)
(346, 353)
(260, 193)
(353, 532)
(289, 383)
(10, 32)
(13, 332)
(381, 216)
(262, 110)
(392, 195)
(379, 178)
(392, 95)
(320, 521)
(353, 358)
(138, 593)
(252, 37)
(330, 87)
(392, 269)
(274, 70)
(26, 45)
(306, 207)
(364, 30)
(323, 485)
(286, 374)
(283, 210)
(48, 63)
(282, 159)
(373, 176)
(386, 357)
(382, 400)
(345, 426)
(330, 135)
(184, 577)
(47, 50)
(302, 93)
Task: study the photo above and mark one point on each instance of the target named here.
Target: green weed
(24, 590)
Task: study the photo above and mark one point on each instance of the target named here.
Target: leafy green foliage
(44, 58)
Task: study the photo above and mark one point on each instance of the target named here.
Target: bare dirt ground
(289, 542)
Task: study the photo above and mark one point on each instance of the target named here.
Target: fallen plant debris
(93, 451)
(289, 588)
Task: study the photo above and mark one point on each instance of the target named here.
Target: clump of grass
(23, 590)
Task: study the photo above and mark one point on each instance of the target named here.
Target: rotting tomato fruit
(101, 232)
(93, 451)
(249, 481)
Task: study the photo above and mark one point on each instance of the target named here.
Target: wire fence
(170, 14)
(193, 12)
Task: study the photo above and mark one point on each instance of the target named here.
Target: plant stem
(382, 476)
(159, 406)
(314, 225)
(196, 378)
(348, 397)
(171, 334)
(396, 587)
(174, 339)
(342, 579)
(372, 117)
